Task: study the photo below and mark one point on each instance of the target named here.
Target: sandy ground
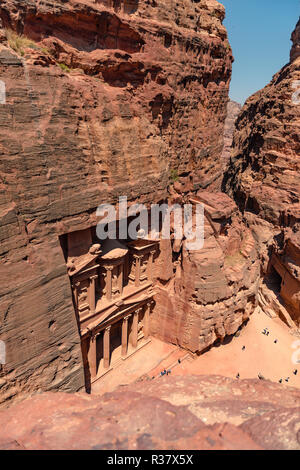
(261, 355)
(152, 356)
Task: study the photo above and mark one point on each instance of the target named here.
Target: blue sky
(259, 32)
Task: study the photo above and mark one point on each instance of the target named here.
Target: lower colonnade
(117, 339)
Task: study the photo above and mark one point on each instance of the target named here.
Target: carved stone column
(147, 321)
(150, 266)
(120, 278)
(125, 336)
(108, 281)
(106, 347)
(137, 270)
(92, 356)
(75, 291)
(92, 293)
(135, 321)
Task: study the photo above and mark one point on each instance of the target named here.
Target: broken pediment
(81, 264)
(113, 250)
(82, 253)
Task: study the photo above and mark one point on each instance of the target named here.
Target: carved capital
(150, 304)
(93, 335)
(109, 268)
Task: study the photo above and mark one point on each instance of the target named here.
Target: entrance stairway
(174, 359)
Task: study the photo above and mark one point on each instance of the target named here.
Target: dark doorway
(274, 280)
(115, 341)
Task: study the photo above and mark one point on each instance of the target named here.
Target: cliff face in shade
(102, 99)
(233, 110)
(264, 175)
(204, 413)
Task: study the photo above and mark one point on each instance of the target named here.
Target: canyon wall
(264, 177)
(208, 293)
(102, 99)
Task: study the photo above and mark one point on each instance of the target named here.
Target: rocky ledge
(206, 412)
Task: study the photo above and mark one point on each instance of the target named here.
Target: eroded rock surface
(102, 99)
(208, 412)
(213, 289)
(264, 176)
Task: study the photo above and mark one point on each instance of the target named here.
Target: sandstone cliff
(103, 99)
(264, 177)
(206, 413)
(213, 290)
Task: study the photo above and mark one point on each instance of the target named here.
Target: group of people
(165, 372)
(266, 332)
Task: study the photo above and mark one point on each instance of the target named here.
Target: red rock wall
(107, 99)
(233, 110)
(213, 290)
(191, 412)
(264, 173)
